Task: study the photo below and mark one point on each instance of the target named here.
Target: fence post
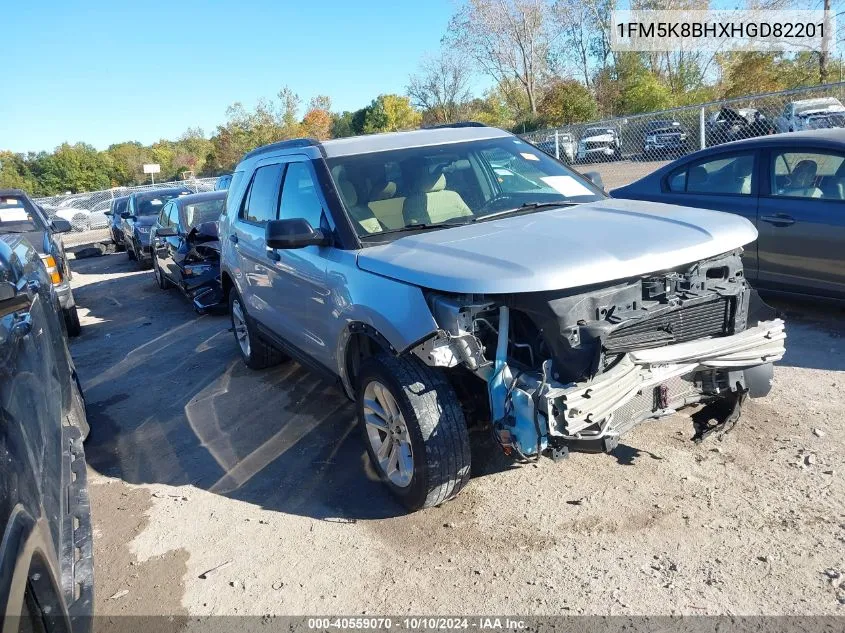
(702, 136)
(557, 144)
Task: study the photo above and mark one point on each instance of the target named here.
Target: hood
(591, 243)
(606, 138)
(146, 220)
(39, 240)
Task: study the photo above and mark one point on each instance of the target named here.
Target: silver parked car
(441, 294)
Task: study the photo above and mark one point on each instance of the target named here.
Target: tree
(15, 173)
(317, 123)
(73, 168)
(390, 113)
(566, 102)
(507, 39)
(441, 87)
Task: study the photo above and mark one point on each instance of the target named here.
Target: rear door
(259, 205)
(802, 221)
(727, 181)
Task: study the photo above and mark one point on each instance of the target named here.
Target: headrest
(383, 191)
(347, 190)
(697, 175)
(433, 182)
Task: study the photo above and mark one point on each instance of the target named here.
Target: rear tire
(255, 352)
(74, 327)
(429, 418)
(129, 252)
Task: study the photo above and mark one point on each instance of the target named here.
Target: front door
(299, 275)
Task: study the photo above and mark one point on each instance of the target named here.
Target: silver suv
(459, 276)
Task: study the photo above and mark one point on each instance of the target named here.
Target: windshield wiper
(416, 227)
(528, 206)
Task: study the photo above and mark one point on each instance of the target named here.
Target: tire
(74, 327)
(255, 352)
(163, 282)
(129, 252)
(434, 426)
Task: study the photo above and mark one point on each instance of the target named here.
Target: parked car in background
(142, 210)
(46, 553)
(115, 213)
(733, 124)
(564, 144)
(554, 316)
(790, 186)
(19, 215)
(663, 140)
(186, 249)
(811, 114)
(598, 144)
(222, 183)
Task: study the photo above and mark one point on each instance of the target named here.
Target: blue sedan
(790, 186)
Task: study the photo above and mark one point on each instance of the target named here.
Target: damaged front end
(576, 369)
(201, 268)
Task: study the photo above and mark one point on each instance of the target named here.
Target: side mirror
(127, 216)
(11, 301)
(60, 225)
(595, 178)
(166, 231)
(108, 213)
(293, 233)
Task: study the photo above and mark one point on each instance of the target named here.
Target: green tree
(15, 173)
(390, 113)
(73, 168)
(566, 102)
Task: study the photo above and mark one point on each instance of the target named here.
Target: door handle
(274, 255)
(233, 238)
(781, 219)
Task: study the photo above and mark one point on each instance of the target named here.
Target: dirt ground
(218, 490)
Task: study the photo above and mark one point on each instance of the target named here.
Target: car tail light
(52, 269)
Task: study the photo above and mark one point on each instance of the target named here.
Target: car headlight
(650, 139)
(52, 269)
(142, 229)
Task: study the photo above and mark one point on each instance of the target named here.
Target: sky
(107, 71)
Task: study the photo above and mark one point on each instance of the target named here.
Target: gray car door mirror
(60, 225)
(293, 233)
(595, 178)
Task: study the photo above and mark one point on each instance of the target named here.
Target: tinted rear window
(151, 205)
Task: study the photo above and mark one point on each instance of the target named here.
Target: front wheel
(414, 430)
(74, 327)
(163, 282)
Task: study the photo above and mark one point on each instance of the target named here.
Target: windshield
(208, 211)
(597, 131)
(153, 204)
(15, 218)
(449, 184)
(817, 104)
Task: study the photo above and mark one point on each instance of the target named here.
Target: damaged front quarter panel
(574, 370)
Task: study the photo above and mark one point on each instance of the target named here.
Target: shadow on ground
(169, 401)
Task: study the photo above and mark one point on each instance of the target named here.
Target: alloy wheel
(388, 434)
(240, 328)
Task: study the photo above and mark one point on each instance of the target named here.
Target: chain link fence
(86, 212)
(624, 149)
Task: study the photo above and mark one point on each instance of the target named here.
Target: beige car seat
(430, 202)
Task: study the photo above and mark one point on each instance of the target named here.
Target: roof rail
(294, 143)
(457, 124)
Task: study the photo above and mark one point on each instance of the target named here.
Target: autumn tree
(506, 39)
(567, 102)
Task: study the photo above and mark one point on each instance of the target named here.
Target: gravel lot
(198, 463)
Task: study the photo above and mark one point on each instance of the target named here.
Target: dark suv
(141, 213)
(118, 206)
(664, 139)
(46, 556)
(19, 215)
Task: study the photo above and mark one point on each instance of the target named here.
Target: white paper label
(14, 215)
(567, 185)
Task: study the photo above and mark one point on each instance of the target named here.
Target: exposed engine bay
(575, 369)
